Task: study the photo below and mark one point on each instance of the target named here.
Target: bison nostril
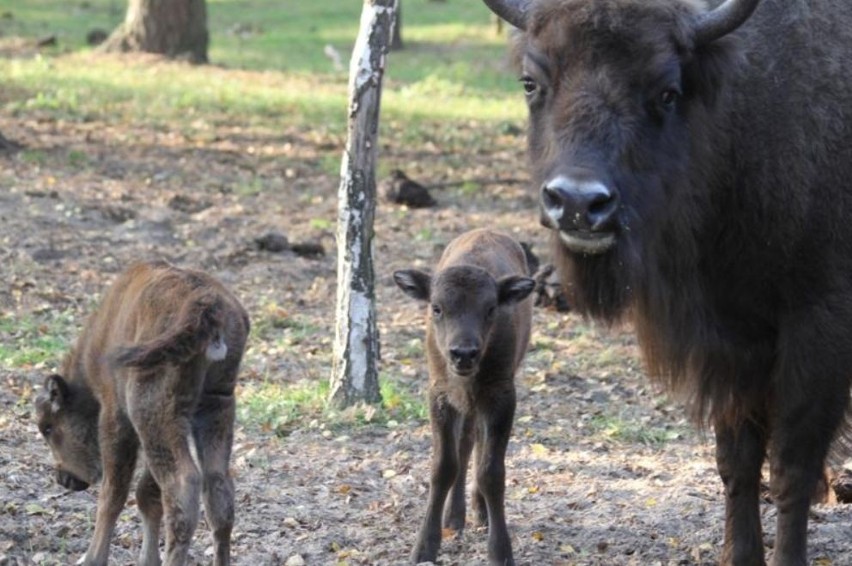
(578, 204)
(464, 354)
(551, 199)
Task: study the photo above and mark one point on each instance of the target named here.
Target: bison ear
(514, 289)
(57, 392)
(705, 73)
(414, 283)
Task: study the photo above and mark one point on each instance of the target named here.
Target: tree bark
(356, 344)
(174, 28)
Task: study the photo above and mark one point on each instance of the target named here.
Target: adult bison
(695, 167)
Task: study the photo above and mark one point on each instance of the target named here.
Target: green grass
(269, 68)
(628, 431)
(281, 408)
(35, 340)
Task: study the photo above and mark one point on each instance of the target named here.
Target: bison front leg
(740, 452)
(119, 447)
(454, 515)
(445, 468)
(496, 426)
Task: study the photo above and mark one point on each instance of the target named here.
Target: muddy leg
(148, 498)
(214, 430)
(495, 422)
(118, 452)
(445, 467)
(454, 514)
(740, 452)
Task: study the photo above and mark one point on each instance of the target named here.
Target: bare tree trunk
(175, 28)
(356, 344)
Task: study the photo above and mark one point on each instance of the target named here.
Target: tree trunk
(356, 344)
(174, 28)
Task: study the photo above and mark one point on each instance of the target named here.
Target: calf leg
(149, 500)
(214, 430)
(445, 467)
(480, 510)
(454, 515)
(740, 451)
(496, 425)
(158, 409)
(119, 447)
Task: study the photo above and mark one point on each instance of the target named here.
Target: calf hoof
(423, 554)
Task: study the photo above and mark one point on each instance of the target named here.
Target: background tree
(356, 344)
(174, 28)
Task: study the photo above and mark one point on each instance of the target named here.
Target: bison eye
(668, 98)
(46, 430)
(530, 86)
(436, 311)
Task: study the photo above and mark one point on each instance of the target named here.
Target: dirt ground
(602, 468)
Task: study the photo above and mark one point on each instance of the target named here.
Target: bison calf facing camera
(477, 332)
(155, 366)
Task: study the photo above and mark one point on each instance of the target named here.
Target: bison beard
(694, 168)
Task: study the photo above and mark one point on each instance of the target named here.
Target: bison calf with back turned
(695, 167)
(155, 366)
(477, 332)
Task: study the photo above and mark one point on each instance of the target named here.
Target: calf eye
(491, 311)
(46, 430)
(530, 86)
(436, 311)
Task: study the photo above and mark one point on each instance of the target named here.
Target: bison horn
(513, 11)
(723, 20)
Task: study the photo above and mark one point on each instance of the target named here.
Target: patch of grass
(34, 340)
(273, 69)
(282, 408)
(615, 428)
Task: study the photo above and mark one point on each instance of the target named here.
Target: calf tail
(197, 327)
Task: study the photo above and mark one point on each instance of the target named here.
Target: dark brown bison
(155, 366)
(477, 332)
(695, 166)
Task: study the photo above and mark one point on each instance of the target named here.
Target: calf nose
(464, 356)
(569, 204)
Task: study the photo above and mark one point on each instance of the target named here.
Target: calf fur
(477, 332)
(155, 366)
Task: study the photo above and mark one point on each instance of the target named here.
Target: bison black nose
(464, 357)
(574, 205)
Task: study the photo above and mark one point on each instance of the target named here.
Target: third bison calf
(477, 333)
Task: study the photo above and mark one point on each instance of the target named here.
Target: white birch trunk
(356, 344)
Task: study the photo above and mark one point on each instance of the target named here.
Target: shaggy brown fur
(156, 366)
(477, 333)
(702, 190)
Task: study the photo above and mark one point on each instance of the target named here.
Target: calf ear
(57, 391)
(514, 289)
(414, 283)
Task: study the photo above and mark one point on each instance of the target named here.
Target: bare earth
(602, 469)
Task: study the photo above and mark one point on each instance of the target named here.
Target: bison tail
(198, 327)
